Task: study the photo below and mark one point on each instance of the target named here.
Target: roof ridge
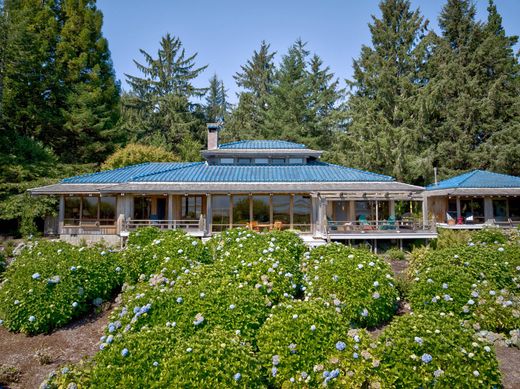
(180, 165)
(469, 175)
(68, 179)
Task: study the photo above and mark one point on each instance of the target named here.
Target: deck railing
(190, 225)
(376, 227)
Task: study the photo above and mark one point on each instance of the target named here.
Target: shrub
(134, 153)
(395, 254)
(356, 281)
(198, 298)
(450, 238)
(489, 235)
(434, 351)
(157, 358)
(173, 247)
(477, 283)
(268, 262)
(300, 338)
(51, 283)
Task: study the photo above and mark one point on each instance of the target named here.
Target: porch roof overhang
(473, 192)
(332, 190)
(68, 189)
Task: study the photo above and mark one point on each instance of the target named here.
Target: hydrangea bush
(157, 358)
(268, 262)
(434, 350)
(154, 247)
(300, 338)
(51, 283)
(479, 283)
(356, 282)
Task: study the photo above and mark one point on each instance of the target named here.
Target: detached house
(258, 184)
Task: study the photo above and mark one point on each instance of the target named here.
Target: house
(475, 199)
(258, 184)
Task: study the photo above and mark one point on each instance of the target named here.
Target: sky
(225, 33)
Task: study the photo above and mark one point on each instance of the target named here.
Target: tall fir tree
(382, 135)
(90, 108)
(499, 147)
(30, 81)
(256, 79)
(289, 103)
(160, 108)
(216, 106)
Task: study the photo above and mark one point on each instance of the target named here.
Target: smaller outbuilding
(475, 199)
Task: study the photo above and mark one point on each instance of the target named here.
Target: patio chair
(390, 224)
(331, 225)
(363, 222)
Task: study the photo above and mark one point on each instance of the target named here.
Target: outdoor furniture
(363, 222)
(277, 225)
(390, 224)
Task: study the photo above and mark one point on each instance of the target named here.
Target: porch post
(315, 217)
(377, 216)
(391, 207)
(170, 210)
(424, 211)
(61, 214)
(352, 210)
(209, 214)
(458, 209)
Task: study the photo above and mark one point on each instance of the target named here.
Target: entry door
(161, 208)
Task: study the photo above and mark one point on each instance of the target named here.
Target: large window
(261, 210)
(72, 210)
(142, 208)
(191, 207)
(107, 210)
(90, 210)
(302, 208)
(240, 211)
(514, 209)
(500, 210)
(282, 210)
(472, 210)
(221, 206)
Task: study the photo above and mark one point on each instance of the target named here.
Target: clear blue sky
(225, 32)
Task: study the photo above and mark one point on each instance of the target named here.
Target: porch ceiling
(474, 192)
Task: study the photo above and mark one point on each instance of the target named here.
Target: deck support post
(375, 246)
(170, 210)
(209, 215)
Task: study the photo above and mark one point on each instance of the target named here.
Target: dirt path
(69, 344)
(509, 362)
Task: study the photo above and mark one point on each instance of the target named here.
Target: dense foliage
(51, 283)
(133, 154)
(433, 350)
(356, 282)
(261, 310)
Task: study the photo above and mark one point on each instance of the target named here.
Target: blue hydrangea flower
(36, 276)
(274, 370)
(476, 373)
(340, 346)
(118, 269)
(65, 370)
(237, 376)
(73, 268)
(189, 350)
(179, 300)
(155, 363)
(232, 306)
(364, 312)
(355, 355)
(471, 302)
(418, 340)
(124, 352)
(426, 358)
(295, 317)
(445, 286)
(313, 328)
(32, 319)
(437, 373)
(74, 304)
(291, 379)
(376, 284)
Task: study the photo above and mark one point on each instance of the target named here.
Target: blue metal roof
(478, 179)
(262, 145)
(124, 174)
(202, 172)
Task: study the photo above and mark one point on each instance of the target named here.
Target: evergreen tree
(382, 135)
(216, 101)
(289, 104)
(91, 93)
(30, 84)
(256, 78)
(159, 108)
(499, 148)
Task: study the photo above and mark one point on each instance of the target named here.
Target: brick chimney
(213, 129)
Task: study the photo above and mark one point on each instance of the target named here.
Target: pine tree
(92, 95)
(257, 77)
(382, 135)
(216, 101)
(159, 108)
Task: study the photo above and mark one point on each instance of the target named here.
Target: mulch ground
(67, 345)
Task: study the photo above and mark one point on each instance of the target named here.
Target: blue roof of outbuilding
(478, 179)
(262, 145)
(202, 172)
